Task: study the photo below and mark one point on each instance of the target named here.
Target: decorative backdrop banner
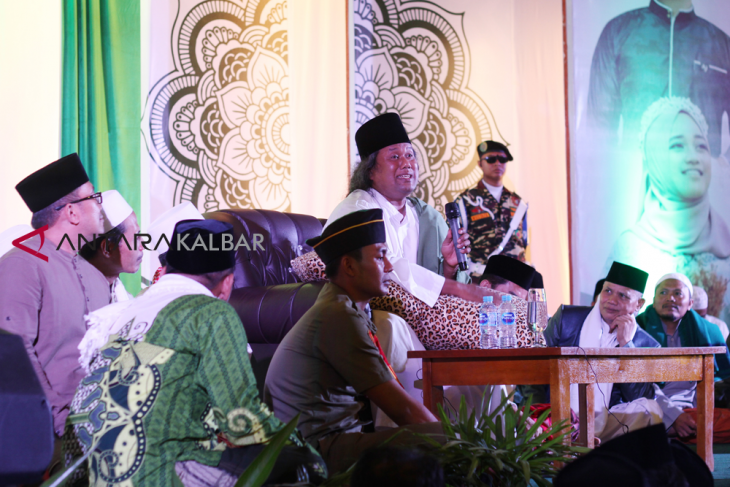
(412, 58)
(650, 177)
(246, 109)
(217, 125)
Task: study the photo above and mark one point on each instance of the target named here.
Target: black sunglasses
(493, 159)
(95, 196)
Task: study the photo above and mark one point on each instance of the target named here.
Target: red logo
(41, 231)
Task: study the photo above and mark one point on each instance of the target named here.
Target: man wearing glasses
(44, 301)
(494, 216)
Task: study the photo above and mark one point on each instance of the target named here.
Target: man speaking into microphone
(420, 245)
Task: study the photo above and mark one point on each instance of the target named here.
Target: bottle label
(483, 320)
(508, 318)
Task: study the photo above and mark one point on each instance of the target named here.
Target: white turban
(116, 209)
(680, 277)
(700, 297)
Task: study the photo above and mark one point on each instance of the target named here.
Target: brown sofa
(267, 295)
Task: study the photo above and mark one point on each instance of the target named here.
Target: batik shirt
(170, 395)
(488, 222)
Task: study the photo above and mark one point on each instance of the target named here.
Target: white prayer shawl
(119, 292)
(596, 334)
(139, 313)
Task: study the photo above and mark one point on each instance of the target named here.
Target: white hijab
(667, 223)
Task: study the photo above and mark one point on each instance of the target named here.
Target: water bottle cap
(506, 298)
(487, 299)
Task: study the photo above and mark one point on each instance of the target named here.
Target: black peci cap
(511, 269)
(196, 247)
(537, 282)
(51, 183)
(380, 132)
(493, 146)
(351, 232)
(628, 276)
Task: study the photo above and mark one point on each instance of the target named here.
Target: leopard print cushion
(309, 267)
(452, 323)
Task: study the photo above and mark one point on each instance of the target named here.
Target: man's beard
(669, 317)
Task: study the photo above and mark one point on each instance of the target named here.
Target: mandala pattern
(412, 58)
(219, 124)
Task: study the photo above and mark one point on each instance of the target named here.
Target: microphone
(454, 218)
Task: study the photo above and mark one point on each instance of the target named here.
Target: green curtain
(101, 96)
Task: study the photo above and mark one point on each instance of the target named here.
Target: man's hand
(447, 250)
(624, 325)
(469, 292)
(683, 426)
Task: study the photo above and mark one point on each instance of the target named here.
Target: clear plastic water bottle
(493, 313)
(507, 326)
(488, 316)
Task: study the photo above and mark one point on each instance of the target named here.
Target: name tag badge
(480, 216)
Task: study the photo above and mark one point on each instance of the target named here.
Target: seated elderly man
(170, 392)
(117, 250)
(331, 363)
(672, 322)
(611, 323)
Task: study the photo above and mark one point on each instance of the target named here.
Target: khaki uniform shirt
(489, 221)
(322, 364)
(45, 303)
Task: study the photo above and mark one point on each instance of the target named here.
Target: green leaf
(525, 470)
(260, 469)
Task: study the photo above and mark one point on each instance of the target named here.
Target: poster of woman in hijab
(650, 180)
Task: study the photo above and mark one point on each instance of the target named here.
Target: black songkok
(537, 282)
(351, 232)
(511, 269)
(51, 183)
(493, 146)
(380, 132)
(628, 276)
(196, 247)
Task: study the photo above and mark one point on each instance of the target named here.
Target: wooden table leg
(587, 414)
(560, 393)
(706, 411)
(432, 395)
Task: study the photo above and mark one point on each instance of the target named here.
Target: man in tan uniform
(44, 300)
(331, 363)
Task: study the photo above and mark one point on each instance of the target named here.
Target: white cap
(12, 233)
(165, 223)
(680, 277)
(700, 297)
(116, 209)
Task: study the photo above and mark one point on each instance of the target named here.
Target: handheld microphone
(454, 218)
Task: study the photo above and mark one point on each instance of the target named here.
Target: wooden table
(561, 367)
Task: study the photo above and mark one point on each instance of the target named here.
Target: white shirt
(495, 191)
(401, 233)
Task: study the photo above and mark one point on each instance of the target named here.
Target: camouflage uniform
(484, 234)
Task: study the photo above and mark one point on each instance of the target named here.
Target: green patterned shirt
(171, 396)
